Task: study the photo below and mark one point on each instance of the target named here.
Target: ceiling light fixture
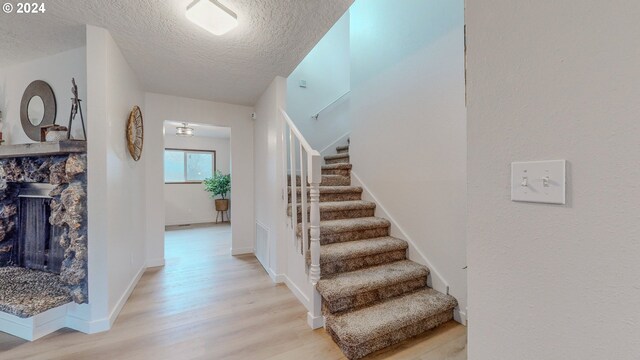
(184, 130)
(212, 16)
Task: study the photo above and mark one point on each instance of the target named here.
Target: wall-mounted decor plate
(135, 133)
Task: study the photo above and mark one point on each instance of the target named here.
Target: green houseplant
(219, 185)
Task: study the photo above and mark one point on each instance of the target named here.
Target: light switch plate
(539, 181)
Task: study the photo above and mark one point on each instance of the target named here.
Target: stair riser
(353, 235)
(358, 351)
(334, 196)
(343, 151)
(371, 297)
(338, 215)
(342, 172)
(326, 181)
(362, 262)
(337, 161)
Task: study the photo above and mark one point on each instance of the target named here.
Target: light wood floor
(205, 304)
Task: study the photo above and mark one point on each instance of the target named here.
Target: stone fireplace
(43, 231)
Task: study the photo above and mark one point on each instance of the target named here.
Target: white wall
(282, 261)
(408, 139)
(116, 183)
(268, 167)
(554, 80)
(326, 70)
(189, 203)
(164, 107)
(57, 70)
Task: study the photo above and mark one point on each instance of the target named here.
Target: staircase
(372, 295)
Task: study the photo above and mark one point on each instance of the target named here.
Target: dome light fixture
(212, 16)
(184, 130)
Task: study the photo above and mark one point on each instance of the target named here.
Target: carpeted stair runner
(337, 169)
(329, 180)
(373, 297)
(335, 210)
(337, 159)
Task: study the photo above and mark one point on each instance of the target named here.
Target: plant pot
(222, 204)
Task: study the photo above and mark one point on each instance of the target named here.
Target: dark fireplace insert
(38, 244)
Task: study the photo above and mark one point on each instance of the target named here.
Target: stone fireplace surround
(68, 173)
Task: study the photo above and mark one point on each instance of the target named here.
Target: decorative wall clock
(135, 133)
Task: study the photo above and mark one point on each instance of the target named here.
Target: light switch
(539, 181)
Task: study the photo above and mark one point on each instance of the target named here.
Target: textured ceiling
(173, 56)
(199, 130)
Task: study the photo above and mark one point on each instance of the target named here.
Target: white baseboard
(55, 319)
(315, 322)
(276, 278)
(460, 316)
(242, 251)
(104, 324)
(87, 327)
(123, 299)
(159, 262)
(299, 294)
(35, 327)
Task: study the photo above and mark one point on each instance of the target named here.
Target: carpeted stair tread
(342, 148)
(393, 315)
(351, 283)
(360, 248)
(336, 156)
(339, 166)
(332, 189)
(339, 206)
(348, 225)
(327, 180)
(337, 159)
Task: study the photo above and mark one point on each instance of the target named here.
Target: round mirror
(35, 110)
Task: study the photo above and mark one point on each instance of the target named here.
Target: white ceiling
(209, 131)
(173, 56)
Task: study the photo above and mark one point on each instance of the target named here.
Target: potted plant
(219, 185)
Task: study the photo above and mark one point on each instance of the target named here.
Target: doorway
(197, 178)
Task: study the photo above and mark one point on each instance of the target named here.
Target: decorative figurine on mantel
(75, 108)
(57, 132)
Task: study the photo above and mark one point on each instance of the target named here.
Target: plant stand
(220, 215)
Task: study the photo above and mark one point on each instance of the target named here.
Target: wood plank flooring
(205, 304)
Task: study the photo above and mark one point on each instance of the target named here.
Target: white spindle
(303, 202)
(315, 177)
(294, 189)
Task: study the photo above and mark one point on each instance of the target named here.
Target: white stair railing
(303, 157)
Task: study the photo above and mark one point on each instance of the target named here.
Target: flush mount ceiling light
(212, 16)
(184, 130)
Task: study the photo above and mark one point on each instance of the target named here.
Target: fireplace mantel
(43, 149)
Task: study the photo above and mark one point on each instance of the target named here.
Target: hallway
(205, 304)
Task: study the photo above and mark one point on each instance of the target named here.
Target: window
(183, 166)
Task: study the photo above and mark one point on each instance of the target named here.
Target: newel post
(314, 317)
